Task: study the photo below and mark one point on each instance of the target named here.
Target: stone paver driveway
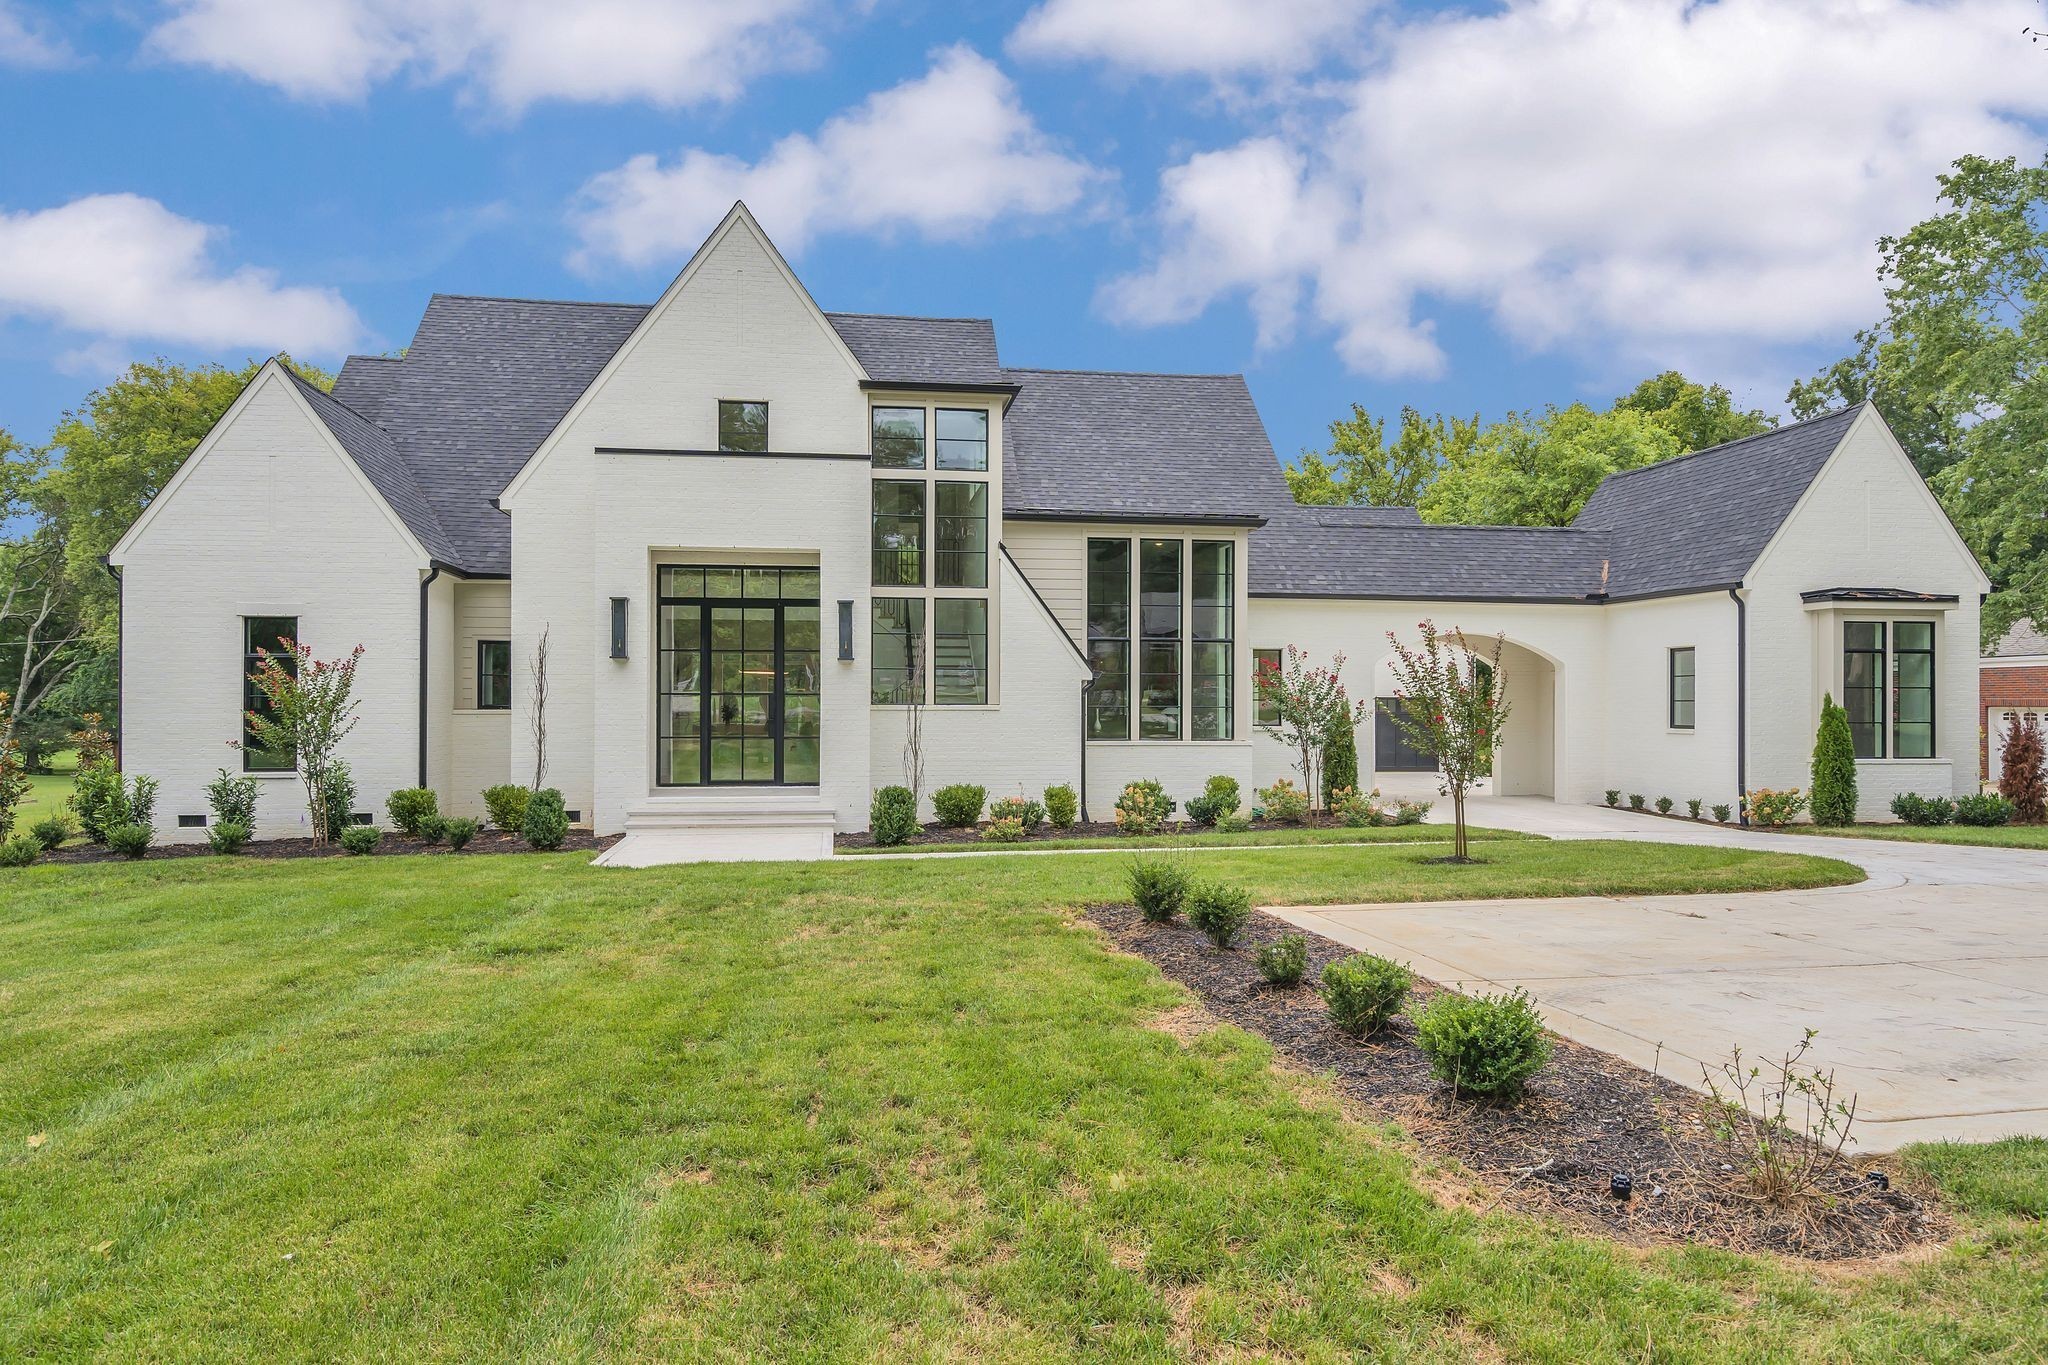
(1928, 983)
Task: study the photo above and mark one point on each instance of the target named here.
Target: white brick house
(729, 513)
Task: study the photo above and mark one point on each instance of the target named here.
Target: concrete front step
(723, 825)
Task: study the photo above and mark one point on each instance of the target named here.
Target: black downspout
(120, 653)
(1741, 705)
(1086, 688)
(425, 583)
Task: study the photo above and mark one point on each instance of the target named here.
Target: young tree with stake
(1456, 710)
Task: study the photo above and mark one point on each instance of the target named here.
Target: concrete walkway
(1928, 982)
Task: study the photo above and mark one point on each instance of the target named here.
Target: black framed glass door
(737, 683)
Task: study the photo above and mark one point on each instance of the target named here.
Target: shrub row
(892, 812)
(1485, 1046)
(1982, 809)
(1664, 805)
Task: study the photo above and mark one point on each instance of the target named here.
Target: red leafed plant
(1457, 709)
(2020, 777)
(308, 710)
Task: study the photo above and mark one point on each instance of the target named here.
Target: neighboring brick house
(2012, 679)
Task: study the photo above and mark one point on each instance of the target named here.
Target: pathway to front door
(1928, 982)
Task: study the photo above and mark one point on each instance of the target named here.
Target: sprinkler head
(1622, 1185)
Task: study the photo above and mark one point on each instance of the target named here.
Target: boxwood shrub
(411, 808)
(1159, 887)
(960, 804)
(361, 839)
(1363, 992)
(1219, 910)
(506, 805)
(546, 822)
(1062, 806)
(1483, 1045)
(892, 816)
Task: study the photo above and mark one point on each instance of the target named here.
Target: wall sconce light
(846, 631)
(618, 627)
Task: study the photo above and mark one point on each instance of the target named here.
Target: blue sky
(1463, 208)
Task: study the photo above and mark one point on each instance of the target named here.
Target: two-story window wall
(1165, 670)
(935, 493)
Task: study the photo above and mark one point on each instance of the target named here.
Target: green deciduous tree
(309, 708)
(1699, 415)
(1834, 767)
(1361, 466)
(1538, 469)
(1959, 366)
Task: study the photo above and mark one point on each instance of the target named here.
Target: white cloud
(1189, 37)
(1648, 176)
(27, 44)
(118, 266)
(944, 156)
(512, 53)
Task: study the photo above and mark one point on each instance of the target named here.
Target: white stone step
(724, 825)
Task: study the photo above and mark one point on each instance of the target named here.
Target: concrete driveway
(1928, 983)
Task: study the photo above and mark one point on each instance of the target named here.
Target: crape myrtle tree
(308, 709)
(1456, 708)
(1310, 709)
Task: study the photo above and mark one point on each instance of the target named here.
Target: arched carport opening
(1527, 762)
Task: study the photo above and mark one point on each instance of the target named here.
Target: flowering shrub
(1355, 808)
(1774, 809)
(1408, 812)
(1456, 706)
(1310, 711)
(1285, 802)
(1143, 808)
(1003, 829)
(1028, 814)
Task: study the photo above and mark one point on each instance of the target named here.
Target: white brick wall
(269, 519)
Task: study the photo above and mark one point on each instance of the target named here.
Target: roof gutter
(1138, 518)
(433, 573)
(1741, 704)
(120, 650)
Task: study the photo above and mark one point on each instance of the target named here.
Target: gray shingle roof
(1162, 447)
(1701, 520)
(1692, 524)
(1308, 553)
(376, 454)
(921, 350)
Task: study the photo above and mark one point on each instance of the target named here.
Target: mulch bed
(393, 843)
(1094, 829)
(1586, 1116)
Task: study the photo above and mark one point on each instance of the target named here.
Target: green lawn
(516, 1107)
(48, 793)
(1990, 836)
(1209, 838)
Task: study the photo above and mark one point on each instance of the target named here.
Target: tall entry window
(1863, 685)
(1913, 689)
(1214, 629)
(274, 636)
(738, 676)
(1159, 639)
(1109, 638)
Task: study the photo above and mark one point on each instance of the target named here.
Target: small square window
(898, 438)
(743, 427)
(963, 438)
(493, 675)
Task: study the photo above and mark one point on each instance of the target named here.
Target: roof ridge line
(1741, 440)
(907, 317)
(559, 303)
(1134, 374)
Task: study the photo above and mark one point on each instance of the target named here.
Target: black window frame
(940, 442)
(912, 672)
(875, 439)
(255, 760)
(1672, 675)
(483, 671)
(1155, 602)
(975, 558)
(731, 403)
(1109, 640)
(945, 666)
(1220, 635)
(1897, 689)
(877, 551)
(1873, 695)
(778, 592)
(1265, 712)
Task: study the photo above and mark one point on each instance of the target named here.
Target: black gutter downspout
(425, 583)
(120, 652)
(1741, 705)
(1086, 688)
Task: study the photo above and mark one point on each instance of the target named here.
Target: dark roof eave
(941, 386)
(1138, 518)
(1589, 600)
(1875, 595)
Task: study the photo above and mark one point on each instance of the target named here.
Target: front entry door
(737, 683)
